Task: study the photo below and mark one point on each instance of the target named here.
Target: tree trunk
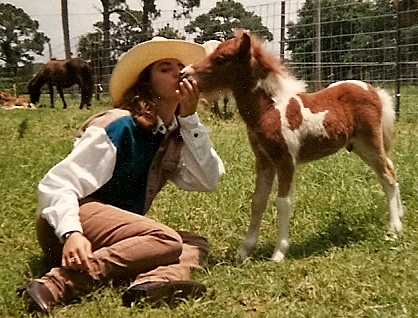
(106, 44)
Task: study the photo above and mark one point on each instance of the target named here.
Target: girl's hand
(77, 253)
(188, 97)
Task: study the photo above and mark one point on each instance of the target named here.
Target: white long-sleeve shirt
(115, 159)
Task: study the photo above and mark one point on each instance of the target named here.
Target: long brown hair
(139, 100)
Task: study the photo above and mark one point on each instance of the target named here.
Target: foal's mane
(267, 61)
(277, 79)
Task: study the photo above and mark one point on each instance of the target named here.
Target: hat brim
(134, 61)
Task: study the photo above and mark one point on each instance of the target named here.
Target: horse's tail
(88, 81)
(88, 74)
(388, 117)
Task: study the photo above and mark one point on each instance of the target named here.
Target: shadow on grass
(38, 265)
(339, 232)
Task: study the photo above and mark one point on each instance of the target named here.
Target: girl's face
(165, 78)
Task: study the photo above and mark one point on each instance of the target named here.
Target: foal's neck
(252, 104)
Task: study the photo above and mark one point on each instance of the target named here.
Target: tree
(149, 12)
(187, 8)
(408, 12)
(170, 33)
(126, 32)
(114, 37)
(19, 37)
(132, 27)
(353, 32)
(221, 21)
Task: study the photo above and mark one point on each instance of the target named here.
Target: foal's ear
(245, 44)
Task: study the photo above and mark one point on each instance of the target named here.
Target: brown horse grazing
(287, 126)
(63, 74)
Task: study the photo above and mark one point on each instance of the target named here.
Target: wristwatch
(65, 237)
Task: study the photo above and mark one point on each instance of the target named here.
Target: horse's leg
(265, 174)
(374, 155)
(284, 207)
(51, 95)
(60, 91)
(82, 101)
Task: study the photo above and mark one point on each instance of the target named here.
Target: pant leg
(124, 244)
(194, 255)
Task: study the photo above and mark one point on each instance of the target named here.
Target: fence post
(318, 57)
(282, 29)
(398, 62)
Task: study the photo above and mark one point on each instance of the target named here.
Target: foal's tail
(388, 117)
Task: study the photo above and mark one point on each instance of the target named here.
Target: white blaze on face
(188, 70)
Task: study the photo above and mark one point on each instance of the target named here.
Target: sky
(84, 13)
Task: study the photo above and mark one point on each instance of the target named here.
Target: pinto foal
(287, 126)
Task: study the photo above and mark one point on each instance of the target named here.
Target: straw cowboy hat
(134, 61)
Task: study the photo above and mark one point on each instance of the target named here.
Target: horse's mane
(37, 81)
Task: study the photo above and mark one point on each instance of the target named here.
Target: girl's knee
(172, 240)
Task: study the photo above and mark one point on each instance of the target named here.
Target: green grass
(339, 263)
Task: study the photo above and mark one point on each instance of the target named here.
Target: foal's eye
(222, 59)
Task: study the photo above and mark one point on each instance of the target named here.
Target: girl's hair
(139, 100)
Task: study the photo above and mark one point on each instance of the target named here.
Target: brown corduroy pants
(127, 248)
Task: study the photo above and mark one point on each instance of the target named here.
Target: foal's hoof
(277, 257)
(241, 255)
(395, 227)
(391, 236)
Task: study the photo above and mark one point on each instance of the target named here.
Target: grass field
(339, 263)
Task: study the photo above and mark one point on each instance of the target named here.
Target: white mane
(281, 88)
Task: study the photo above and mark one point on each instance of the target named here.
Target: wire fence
(321, 43)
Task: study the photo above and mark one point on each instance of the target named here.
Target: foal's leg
(376, 158)
(391, 188)
(265, 173)
(284, 208)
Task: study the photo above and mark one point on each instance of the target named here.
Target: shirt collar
(161, 128)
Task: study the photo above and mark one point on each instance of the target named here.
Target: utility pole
(65, 28)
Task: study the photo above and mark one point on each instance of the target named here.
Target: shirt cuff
(190, 121)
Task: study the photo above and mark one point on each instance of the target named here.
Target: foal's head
(236, 64)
